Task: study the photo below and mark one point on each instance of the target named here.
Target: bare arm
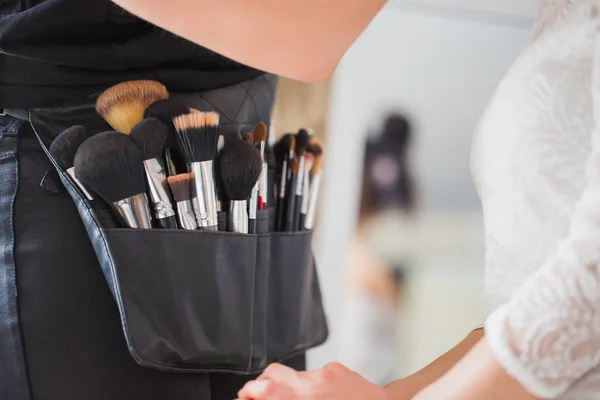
(406, 388)
(477, 376)
(300, 39)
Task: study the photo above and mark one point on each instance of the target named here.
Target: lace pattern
(536, 160)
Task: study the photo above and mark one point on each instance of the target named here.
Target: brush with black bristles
(111, 165)
(253, 202)
(64, 148)
(123, 105)
(150, 134)
(240, 169)
(290, 198)
(308, 164)
(181, 187)
(260, 139)
(315, 180)
(282, 150)
(166, 110)
(302, 143)
(198, 135)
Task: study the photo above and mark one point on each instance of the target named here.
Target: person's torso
(530, 151)
(56, 50)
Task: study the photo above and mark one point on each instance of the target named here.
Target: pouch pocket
(198, 301)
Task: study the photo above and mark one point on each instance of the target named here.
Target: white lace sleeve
(548, 335)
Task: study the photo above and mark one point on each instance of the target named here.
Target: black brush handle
(252, 226)
(297, 206)
(291, 205)
(280, 221)
(166, 223)
(302, 222)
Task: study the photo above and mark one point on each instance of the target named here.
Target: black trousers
(60, 332)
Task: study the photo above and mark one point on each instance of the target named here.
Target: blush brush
(111, 165)
(240, 169)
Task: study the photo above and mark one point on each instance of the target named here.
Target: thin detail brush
(290, 198)
(260, 138)
(302, 143)
(308, 164)
(253, 203)
(315, 182)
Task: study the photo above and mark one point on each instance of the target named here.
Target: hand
(333, 382)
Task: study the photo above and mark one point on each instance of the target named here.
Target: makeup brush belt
(198, 301)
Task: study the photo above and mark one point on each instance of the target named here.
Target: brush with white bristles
(198, 137)
(123, 105)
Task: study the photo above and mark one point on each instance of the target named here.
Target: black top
(52, 51)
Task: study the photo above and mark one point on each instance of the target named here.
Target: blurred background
(399, 242)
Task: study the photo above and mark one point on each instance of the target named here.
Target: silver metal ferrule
(160, 199)
(283, 184)
(134, 211)
(205, 201)
(264, 183)
(71, 172)
(312, 204)
(300, 177)
(238, 216)
(253, 204)
(305, 193)
(185, 215)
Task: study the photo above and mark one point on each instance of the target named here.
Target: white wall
(441, 68)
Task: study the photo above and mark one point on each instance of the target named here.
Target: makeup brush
(123, 105)
(308, 164)
(198, 135)
(302, 143)
(181, 187)
(150, 134)
(240, 169)
(221, 199)
(253, 202)
(166, 110)
(64, 148)
(260, 139)
(282, 150)
(111, 165)
(315, 180)
(290, 198)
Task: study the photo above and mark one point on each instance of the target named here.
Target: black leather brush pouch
(197, 301)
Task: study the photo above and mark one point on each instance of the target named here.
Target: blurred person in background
(376, 272)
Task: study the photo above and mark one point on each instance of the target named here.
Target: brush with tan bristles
(315, 180)
(260, 139)
(123, 105)
(253, 203)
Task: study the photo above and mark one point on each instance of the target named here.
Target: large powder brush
(111, 165)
